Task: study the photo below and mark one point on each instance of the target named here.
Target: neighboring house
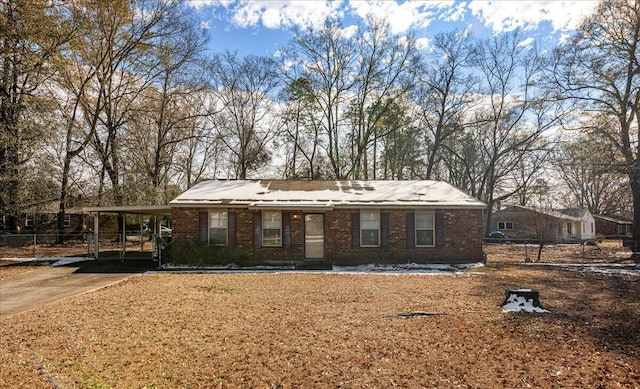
(613, 226)
(565, 225)
(332, 221)
(43, 217)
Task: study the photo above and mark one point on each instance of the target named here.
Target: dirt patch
(11, 268)
(604, 252)
(332, 330)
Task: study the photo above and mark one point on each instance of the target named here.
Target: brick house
(557, 226)
(611, 226)
(332, 221)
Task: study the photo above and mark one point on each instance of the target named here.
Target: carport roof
(163, 210)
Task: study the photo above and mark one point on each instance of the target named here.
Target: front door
(314, 236)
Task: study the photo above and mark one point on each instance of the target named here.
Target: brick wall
(462, 237)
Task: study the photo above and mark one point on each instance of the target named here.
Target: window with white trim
(272, 228)
(425, 231)
(67, 221)
(370, 228)
(28, 221)
(505, 225)
(218, 226)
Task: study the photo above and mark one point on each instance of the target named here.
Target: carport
(147, 210)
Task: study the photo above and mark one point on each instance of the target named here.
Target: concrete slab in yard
(36, 288)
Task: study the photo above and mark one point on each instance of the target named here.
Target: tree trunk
(540, 246)
(635, 192)
(63, 200)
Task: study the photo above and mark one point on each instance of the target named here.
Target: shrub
(203, 254)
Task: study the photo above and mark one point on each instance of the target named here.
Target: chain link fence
(133, 244)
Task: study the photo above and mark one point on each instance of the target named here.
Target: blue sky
(264, 27)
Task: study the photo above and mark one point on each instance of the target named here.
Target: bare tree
(445, 91)
(31, 33)
(510, 121)
(166, 110)
(385, 68)
(599, 70)
(327, 57)
(245, 122)
(200, 155)
(590, 181)
(301, 131)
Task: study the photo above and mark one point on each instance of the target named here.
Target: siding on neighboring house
(549, 225)
(612, 226)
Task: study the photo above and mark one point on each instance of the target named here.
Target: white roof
(288, 194)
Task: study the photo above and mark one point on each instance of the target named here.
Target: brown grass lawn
(334, 330)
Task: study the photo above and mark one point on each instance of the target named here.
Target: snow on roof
(325, 194)
(559, 214)
(614, 219)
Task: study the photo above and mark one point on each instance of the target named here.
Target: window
(67, 221)
(424, 229)
(569, 229)
(505, 225)
(218, 221)
(271, 228)
(370, 228)
(28, 222)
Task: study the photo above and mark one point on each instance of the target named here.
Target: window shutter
(203, 226)
(439, 216)
(384, 230)
(286, 230)
(257, 229)
(410, 226)
(355, 230)
(232, 228)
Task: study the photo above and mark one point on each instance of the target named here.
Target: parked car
(165, 231)
(497, 237)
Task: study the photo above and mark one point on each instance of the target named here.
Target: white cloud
(455, 13)
(402, 16)
(526, 43)
(282, 13)
(503, 16)
(423, 43)
(204, 25)
(199, 4)
(349, 31)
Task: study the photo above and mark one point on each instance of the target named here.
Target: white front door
(314, 236)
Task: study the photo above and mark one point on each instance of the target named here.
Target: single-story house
(611, 226)
(559, 226)
(43, 217)
(332, 221)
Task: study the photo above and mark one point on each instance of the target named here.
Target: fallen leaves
(339, 330)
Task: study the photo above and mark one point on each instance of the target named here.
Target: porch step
(314, 265)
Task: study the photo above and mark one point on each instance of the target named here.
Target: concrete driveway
(36, 288)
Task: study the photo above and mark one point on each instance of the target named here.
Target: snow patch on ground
(52, 261)
(520, 304)
(406, 268)
(611, 269)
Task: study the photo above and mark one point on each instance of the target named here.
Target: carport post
(96, 243)
(123, 237)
